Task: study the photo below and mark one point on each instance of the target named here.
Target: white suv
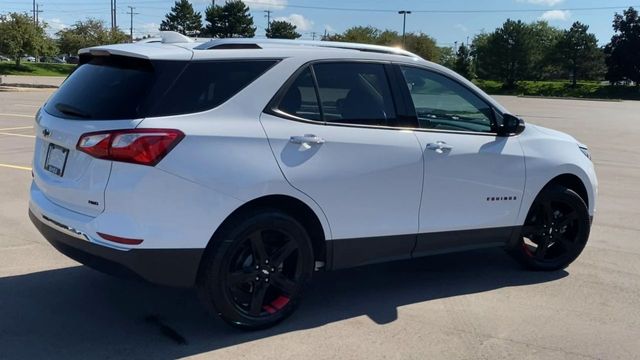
(243, 166)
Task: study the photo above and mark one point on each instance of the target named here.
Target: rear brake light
(138, 146)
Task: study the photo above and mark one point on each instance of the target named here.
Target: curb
(570, 98)
(31, 86)
(23, 88)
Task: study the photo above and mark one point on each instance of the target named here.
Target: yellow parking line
(15, 167)
(20, 115)
(20, 135)
(17, 128)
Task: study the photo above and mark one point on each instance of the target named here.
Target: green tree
(87, 33)
(282, 30)
(357, 34)
(543, 39)
(418, 43)
(233, 19)
(506, 54)
(464, 62)
(19, 36)
(479, 48)
(578, 52)
(623, 52)
(446, 57)
(183, 19)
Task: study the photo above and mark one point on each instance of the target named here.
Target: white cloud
(54, 25)
(301, 22)
(556, 15)
(543, 2)
(146, 29)
(461, 27)
(266, 4)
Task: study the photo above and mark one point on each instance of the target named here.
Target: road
(476, 305)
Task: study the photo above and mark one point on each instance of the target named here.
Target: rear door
(103, 93)
(343, 147)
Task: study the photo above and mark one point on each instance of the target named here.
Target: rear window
(115, 87)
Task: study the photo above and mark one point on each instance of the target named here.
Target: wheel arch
(570, 181)
(566, 179)
(295, 208)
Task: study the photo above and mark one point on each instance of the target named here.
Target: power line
(476, 11)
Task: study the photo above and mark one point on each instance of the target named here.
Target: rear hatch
(105, 92)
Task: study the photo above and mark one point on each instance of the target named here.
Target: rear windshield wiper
(71, 111)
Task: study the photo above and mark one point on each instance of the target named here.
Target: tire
(256, 268)
(555, 232)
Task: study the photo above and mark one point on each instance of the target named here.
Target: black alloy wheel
(555, 232)
(255, 277)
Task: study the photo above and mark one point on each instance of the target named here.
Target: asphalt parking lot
(477, 305)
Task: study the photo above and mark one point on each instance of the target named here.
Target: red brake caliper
(277, 304)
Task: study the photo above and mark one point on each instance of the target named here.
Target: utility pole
(313, 35)
(115, 11)
(268, 16)
(131, 8)
(404, 23)
(111, 13)
(37, 12)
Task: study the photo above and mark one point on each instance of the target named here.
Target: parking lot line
(15, 167)
(17, 128)
(18, 115)
(20, 135)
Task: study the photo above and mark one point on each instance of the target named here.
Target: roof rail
(261, 43)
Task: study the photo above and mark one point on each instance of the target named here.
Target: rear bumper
(172, 267)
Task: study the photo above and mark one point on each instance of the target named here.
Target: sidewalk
(31, 81)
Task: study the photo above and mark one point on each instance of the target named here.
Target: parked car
(52, 60)
(241, 166)
(72, 59)
(29, 59)
(4, 58)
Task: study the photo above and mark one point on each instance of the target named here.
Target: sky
(448, 21)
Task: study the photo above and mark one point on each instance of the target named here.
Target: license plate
(56, 159)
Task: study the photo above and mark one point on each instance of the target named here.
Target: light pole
(404, 23)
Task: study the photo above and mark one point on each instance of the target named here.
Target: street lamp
(404, 23)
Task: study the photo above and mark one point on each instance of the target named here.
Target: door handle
(439, 147)
(306, 139)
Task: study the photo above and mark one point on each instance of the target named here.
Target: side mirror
(508, 124)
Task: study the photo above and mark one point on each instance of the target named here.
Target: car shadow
(79, 313)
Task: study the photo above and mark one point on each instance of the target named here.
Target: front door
(474, 179)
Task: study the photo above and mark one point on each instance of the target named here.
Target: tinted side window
(300, 99)
(205, 85)
(355, 93)
(444, 104)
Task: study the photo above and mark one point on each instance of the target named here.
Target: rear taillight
(138, 146)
